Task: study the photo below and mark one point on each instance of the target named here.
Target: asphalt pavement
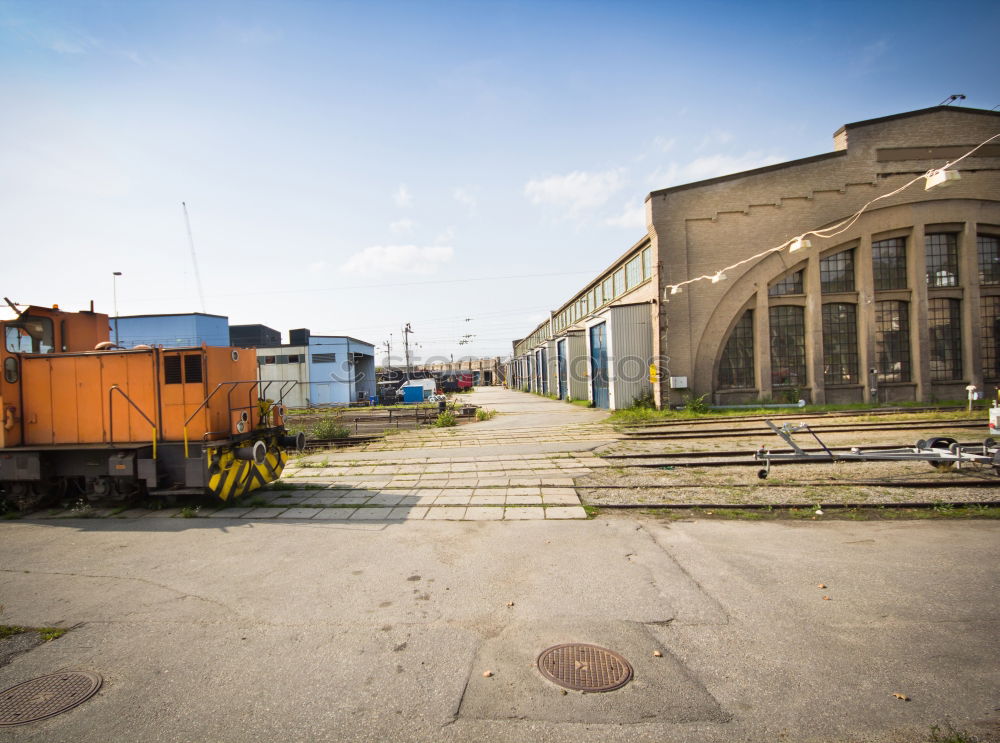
(236, 630)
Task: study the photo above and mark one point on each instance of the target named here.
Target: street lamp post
(114, 291)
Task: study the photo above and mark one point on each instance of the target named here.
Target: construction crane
(194, 257)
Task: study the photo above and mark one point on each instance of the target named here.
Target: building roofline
(747, 173)
(908, 114)
(345, 337)
(820, 157)
(171, 314)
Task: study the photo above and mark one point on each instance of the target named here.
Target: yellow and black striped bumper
(229, 477)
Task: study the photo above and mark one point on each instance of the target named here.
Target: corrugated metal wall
(631, 345)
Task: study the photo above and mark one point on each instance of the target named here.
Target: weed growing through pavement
(83, 510)
(189, 512)
(951, 735)
(445, 420)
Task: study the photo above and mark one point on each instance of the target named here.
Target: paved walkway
(519, 465)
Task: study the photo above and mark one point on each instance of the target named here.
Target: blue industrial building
(329, 369)
(172, 331)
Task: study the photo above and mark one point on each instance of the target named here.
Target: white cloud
(73, 42)
(664, 144)
(632, 216)
(317, 266)
(402, 226)
(403, 197)
(466, 198)
(576, 191)
(710, 166)
(446, 236)
(412, 259)
(715, 138)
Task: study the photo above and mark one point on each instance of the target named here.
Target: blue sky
(350, 167)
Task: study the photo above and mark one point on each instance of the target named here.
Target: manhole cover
(46, 696)
(584, 667)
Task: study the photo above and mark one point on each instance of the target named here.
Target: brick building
(901, 304)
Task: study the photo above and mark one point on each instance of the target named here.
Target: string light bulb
(799, 243)
(941, 177)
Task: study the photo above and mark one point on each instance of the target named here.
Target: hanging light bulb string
(802, 241)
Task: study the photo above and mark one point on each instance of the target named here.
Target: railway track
(821, 428)
(731, 458)
(991, 482)
(801, 415)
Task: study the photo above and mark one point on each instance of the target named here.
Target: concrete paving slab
(483, 500)
(452, 500)
(524, 500)
(334, 514)
(385, 499)
(561, 500)
(518, 690)
(262, 513)
(445, 513)
(524, 513)
(353, 498)
(565, 512)
(299, 513)
(484, 513)
(408, 512)
(228, 513)
(163, 513)
(371, 514)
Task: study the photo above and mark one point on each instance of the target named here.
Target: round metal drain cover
(46, 696)
(584, 667)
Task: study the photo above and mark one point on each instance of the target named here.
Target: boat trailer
(941, 452)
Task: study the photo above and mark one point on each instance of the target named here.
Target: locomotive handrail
(111, 418)
(204, 402)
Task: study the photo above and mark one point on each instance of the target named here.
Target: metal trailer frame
(941, 452)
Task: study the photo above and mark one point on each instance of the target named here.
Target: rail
(111, 416)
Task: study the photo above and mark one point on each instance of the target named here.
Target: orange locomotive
(82, 417)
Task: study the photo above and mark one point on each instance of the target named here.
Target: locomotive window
(192, 368)
(29, 335)
(10, 369)
(172, 369)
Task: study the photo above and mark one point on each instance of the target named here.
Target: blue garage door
(599, 366)
(561, 358)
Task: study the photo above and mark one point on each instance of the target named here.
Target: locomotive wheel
(941, 442)
(27, 496)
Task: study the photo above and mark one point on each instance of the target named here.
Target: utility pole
(114, 290)
(406, 345)
(388, 354)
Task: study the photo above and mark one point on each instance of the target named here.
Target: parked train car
(83, 418)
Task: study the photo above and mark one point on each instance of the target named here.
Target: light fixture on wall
(720, 276)
(940, 177)
(798, 244)
(675, 290)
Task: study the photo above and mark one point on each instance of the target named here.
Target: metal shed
(619, 350)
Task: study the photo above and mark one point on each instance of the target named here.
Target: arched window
(840, 343)
(892, 340)
(990, 314)
(736, 364)
(788, 346)
(945, 320)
